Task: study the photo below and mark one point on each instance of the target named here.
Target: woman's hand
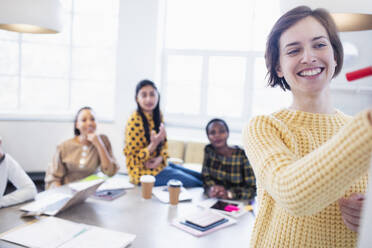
(93, 138)
(351, 209)
(157, 138)
(217, 191)
(370, 116)
(153, 162)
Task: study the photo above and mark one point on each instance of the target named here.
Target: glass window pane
(264, 20)
(260, 71)
(183, 98)
(93, 63)
(267, 100)
(231, 69)
(8, 35)
(110, 7)
(8, 92)
(9, 57)
(66, 5)
(41, 95)
(45, 60)
(226, 86)
(225, 102)
(183, 84)
(98, 30)
(184, 68)
(209, 24)
(85, 51)
(99, 95)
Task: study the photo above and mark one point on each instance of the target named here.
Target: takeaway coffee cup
(147, 182)
(174, 189)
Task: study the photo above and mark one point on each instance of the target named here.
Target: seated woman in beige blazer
(81, 155)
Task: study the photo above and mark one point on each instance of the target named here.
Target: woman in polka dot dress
(146, 144)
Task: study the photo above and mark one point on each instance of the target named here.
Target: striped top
(234, 172)
(304, 163)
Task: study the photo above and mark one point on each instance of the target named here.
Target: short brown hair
(285, 22)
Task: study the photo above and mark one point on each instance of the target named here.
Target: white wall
(33, 143)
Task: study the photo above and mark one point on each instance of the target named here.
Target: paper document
(42, 202)
(51, 203)
(162, 194)
(65, 234)
(112, 183)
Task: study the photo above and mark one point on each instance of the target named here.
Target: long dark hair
(77, 131)
(156, 114)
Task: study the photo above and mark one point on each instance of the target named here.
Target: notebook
(53, 203)
(206, 217)
(206, 228)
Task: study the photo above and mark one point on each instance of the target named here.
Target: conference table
(149, 220)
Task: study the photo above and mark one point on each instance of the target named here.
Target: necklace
(83, 157)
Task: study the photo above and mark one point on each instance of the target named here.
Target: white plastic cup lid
(174, 183)
(147, 179)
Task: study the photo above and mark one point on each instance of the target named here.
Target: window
(213, 63)
(50, 76)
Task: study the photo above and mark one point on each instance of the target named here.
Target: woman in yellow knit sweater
(146, 145)
(310, 160)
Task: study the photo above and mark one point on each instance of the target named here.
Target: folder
(65, 234)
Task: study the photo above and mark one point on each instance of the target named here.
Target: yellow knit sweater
(304, 163)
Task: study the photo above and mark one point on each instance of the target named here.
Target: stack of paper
(65, 234)
(203, 222)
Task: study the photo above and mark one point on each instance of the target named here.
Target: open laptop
(51, 203)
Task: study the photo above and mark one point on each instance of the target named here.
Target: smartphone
(220, 205)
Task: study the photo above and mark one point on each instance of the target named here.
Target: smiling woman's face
(147, 98)
(86, 122)
(306, 57)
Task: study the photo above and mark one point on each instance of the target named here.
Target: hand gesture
(153, 162)
(157, 138)
(351, 208)
(93, 138)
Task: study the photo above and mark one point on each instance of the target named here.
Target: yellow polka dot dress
(135, 150)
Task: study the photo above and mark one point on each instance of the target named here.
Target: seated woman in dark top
(226, 170)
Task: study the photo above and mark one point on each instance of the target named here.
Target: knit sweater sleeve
(306, 185)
